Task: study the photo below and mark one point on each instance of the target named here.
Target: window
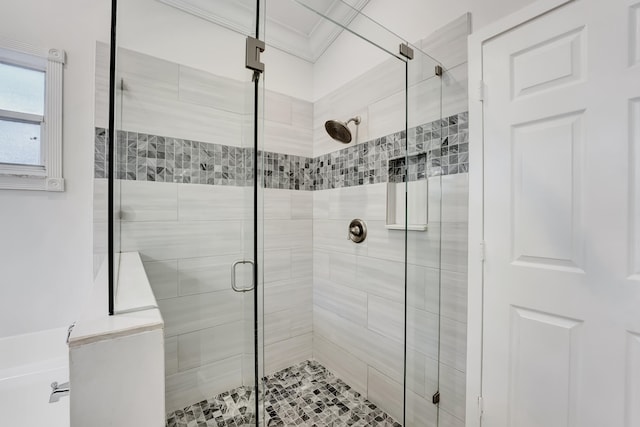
(30, 117)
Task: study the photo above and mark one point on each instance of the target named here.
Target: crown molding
(238, 18)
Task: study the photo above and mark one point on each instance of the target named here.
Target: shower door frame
(256, 179)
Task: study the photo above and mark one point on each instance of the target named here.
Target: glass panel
(426, 142)
(21, 89)
(335, 309)
(19, 143)
(184, 166)
(119, 158)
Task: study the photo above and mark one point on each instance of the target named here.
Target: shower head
(340, 130)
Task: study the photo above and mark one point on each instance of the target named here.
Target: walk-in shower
(214, 168)
(340, 130)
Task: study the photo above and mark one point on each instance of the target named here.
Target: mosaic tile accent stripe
(144, 157)
(437, 148)
(100, 154)
(306, 394)
(286, 171)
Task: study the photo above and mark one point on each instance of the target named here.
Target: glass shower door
(375, 301)
(185, 166)
(425, 157)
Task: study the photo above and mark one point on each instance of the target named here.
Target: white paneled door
(561, 328)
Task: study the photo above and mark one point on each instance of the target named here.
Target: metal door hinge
(406, 51)
(435, 399)
(439, 70)
(252, 61)
(480, 91)
(483, 247)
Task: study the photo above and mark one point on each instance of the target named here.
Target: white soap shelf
(416, 210)
(422, 227)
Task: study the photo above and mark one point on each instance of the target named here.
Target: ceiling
(290, 26)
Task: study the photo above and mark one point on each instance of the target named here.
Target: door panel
(547, 235)
(546, 379)
(550, 64)
(633, 383)
(560, 343)
(634, 33)
(634, 175)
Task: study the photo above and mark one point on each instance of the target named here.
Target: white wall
(46, 238)
(411, 19)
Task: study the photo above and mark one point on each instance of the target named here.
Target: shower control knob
(357, 231)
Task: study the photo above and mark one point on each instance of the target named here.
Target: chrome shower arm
(355, 120)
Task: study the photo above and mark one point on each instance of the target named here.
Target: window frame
(48, 175)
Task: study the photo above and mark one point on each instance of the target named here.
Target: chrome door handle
(233, 276)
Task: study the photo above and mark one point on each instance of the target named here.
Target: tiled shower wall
(358, 295)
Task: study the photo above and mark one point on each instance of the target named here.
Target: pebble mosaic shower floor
(306, 394)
